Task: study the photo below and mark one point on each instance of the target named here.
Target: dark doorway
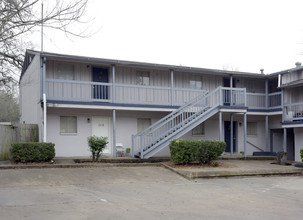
(100, 75)
(276, 139)
(226, 82)
(227, 135)
(227, 93)
(290, 144)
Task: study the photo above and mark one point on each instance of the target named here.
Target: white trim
(265, 113)
(54, 105)
(233, 110)
(292, 126)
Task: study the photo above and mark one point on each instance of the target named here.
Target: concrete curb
(232, 173)
(44, 166)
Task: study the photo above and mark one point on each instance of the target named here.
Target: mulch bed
(198, 165)
(31, 163)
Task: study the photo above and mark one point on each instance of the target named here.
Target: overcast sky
(238, 35)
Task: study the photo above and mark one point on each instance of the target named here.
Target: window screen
(199, 130)
(65, 71)
(143, 123)
(68, 124)
(251, 128)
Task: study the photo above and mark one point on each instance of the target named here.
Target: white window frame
(63, 131)
(196, 130)
(60, 74)
(195, 82)
(250, 129)
(140, 120)
(143, 78)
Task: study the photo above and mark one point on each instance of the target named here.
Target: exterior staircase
(156, 137)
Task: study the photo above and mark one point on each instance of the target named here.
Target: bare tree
(20, 18)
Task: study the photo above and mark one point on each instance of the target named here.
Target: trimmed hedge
(203, 151)
(32, 151)
(301, 154)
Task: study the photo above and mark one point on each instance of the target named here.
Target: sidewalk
(238, 167)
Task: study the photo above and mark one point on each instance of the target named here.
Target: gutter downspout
(44, 99)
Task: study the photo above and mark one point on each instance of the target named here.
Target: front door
(100, 75)
(227, 135)
(100, 127)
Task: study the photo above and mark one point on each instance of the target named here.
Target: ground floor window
(251, 128)
(68, 124)
(199, 130)
(143, 123)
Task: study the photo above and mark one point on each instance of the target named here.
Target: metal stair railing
(153, 136)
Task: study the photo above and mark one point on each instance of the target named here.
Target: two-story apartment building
(143, 105)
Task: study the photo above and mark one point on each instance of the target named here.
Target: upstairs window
(143, 78)
(65, 71)
(251, 128)
(195, 82)
(199, 130)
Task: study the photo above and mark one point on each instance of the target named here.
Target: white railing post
(282, 104)
(220, 95)
(245, 101)
(172, 95)
(141, 145)
(113, 84)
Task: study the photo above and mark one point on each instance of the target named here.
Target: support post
(44, 118)
(282, 104)
(220, 126)
(114, 83)
(231, 134)
(245, 133)
(133, 147)
(266, 93)
(114, 133)
(231, 90)
(172, 95)
(44, 99)
(266, 133)
(285, 140)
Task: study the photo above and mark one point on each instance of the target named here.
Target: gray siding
(251, 85)
(293, 95)
(292, 77)
(30, 107)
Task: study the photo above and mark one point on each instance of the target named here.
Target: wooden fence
(16, 133)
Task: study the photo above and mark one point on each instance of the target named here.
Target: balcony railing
(85, 91)
(71, 90)
(293, 112)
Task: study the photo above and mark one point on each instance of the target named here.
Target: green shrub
(301, 154)
(203, 151)
(181, 151)
(32, 151)
(96, 146)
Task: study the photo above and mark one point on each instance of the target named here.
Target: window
(143, 78)
(68, 124)
(199, 130)
(195, 82)
(65, 71)
(251, 128)
(143, 123)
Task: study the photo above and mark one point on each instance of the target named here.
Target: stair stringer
(179, 133)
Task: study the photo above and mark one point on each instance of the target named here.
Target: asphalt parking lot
(144, 193)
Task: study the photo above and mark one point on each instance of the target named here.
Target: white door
(277, 142)
(100, 127)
